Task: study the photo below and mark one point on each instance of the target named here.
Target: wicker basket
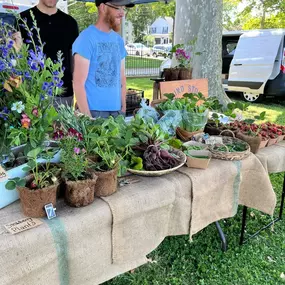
(226, 155)
(182, 158)
(185, 135)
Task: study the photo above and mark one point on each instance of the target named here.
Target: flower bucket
(107, 183)
(9, 196)
(185, 73)
(171, 74)
(33, 201)
(80, 193)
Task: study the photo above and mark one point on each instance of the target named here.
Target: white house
(162, 30)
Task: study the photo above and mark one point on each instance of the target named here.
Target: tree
(141, 17)
(84, 13)
(256, 14)
(202, 20)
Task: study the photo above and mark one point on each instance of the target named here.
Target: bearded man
(99, 79)
(58, 32)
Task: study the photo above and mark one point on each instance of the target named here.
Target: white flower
(18, 106)
(14, 62)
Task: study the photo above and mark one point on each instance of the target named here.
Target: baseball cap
(127, 3)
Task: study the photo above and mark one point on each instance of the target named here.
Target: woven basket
(226, 155)
(185, 135)
(182, 157)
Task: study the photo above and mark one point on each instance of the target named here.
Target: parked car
(137, 49)
(248, 69)
(161, 50)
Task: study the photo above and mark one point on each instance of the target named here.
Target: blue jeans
(106, 114)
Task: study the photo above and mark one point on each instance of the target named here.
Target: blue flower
(45, 86)
(50, 93)
(56, 73)
(59, 84)
(27, 75)
(2, 66)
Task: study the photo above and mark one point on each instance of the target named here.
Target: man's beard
(111, 21)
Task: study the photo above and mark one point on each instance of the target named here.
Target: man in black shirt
(58, 31)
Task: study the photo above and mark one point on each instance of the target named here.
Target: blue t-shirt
(105, 52)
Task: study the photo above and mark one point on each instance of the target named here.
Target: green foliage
(84, 13)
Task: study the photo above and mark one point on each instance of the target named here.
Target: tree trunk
(202, 19)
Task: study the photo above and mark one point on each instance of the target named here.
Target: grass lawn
(180, 262)
(145, 62)
(141, 83)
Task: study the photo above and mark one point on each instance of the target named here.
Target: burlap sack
(254, 142)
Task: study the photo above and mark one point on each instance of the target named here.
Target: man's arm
(123, 86)
(81, 69)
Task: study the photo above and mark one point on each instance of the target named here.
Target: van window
(231, 47)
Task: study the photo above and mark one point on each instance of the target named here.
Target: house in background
(162, 30)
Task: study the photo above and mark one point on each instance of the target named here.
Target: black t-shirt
(58, 32)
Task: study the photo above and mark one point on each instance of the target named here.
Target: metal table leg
(244, 216)
(222, 236)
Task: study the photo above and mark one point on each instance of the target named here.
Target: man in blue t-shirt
(99, 79)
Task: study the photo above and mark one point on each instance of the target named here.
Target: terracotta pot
(185, 73)
(33, 201)
(80, 193)
(272, 141)
(106, 183)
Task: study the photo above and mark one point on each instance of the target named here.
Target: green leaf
(34, 152)
(21, 183)
(26, 169)
(31, 164)
(10, 185)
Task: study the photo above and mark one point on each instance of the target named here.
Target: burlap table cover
(218, 190)
(273, 157)
(77, 246)
(93, 244)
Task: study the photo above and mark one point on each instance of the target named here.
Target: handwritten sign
(3, 174)
(22, 225)
(180, 87)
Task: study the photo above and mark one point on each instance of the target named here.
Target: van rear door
(257, 59)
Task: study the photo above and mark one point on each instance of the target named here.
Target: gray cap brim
(127, 3)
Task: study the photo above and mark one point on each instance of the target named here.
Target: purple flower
(27, 75)
(2, 65)
(59, 84)
(76, 150)
(45, 86)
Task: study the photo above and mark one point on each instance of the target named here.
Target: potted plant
(79, 182)
(40, 187)
(106, 166)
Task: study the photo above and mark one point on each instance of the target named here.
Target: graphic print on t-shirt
(107, 72)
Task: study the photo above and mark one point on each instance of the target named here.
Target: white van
(253, 63)
(256, 63)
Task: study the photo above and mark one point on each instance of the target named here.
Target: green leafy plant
(43, 174)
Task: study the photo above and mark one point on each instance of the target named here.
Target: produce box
(198, 159)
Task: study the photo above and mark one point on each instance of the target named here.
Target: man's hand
(18, 41)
